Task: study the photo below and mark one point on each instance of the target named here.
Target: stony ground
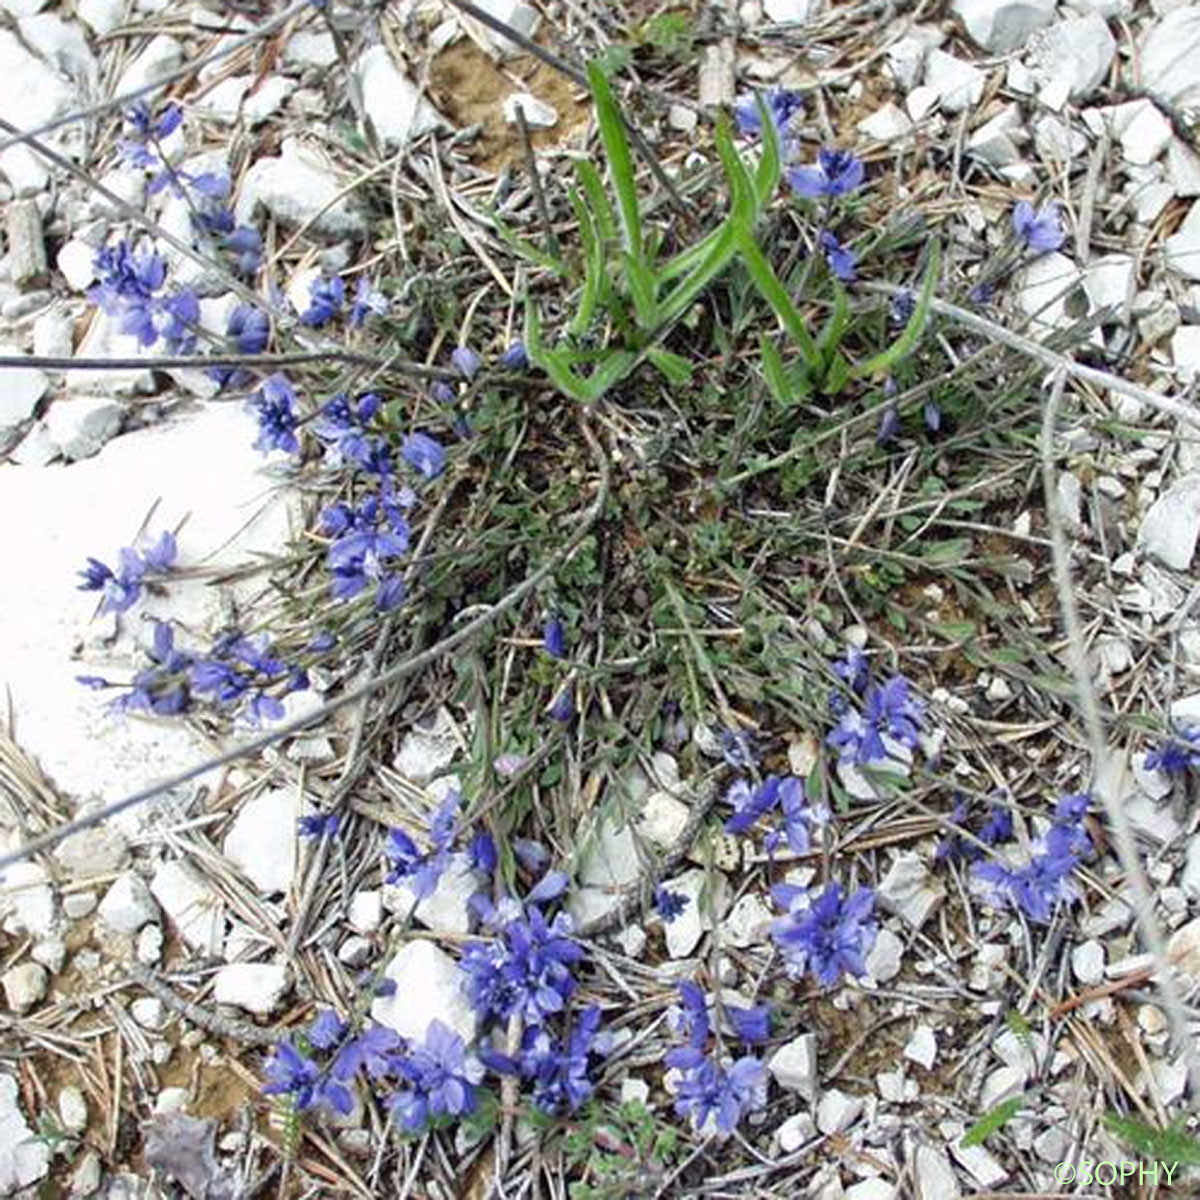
(149, 963)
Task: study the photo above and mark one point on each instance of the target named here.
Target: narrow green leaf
(708, 268)
(528, 250)
(685, 260)
(1172, 1144)
(601, 207)
(948, 553)
(766, 177)
(831, 336)
(676, 368)
(610, 372)
(773, 371)
(642, 289)
(775, 294)
(741, 186)
(1000, 1115)
(906, 342)
(837, 374)
(593, 260)
(620, 161)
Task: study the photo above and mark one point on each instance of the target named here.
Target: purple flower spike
(273, 403)
(325, 298)
(836, 173)
(782, 105)
(1040, 231)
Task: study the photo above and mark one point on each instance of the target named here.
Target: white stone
(259, 988)
(884, 960)
(921, 1047)
(310, 50)
(1087, 961)
(86, 1175)
(538, 114)
(909, 891)
(445, 909)
(706, 897)
(1143, 132)
(794, 1066)
(1001, 1084)
(23, 388)
(1107, 280)
(1169, 529)
(790, 11)
(79, 904)
(63, 44)
(634, 1091)
(267, 99)
(262, 839)
(958, 83)
(1167, 57)
(906, 55)
(148, 948)
(396, 107)
(298, 188)
(72, 1109)
(874, 1188)
(1185, 350)
(999, 26)
(428, 748)
(429, 984)
(1077, 52)
(836, 1111)
(1023, 1051)
(196, 912)
(1190, 879)
(1042, 286)
(223, 102)
(148, 1012)
(24, 986)
(1182, 248)
(1054, 139)
(102, 16)
(979, 1163)
(518, 16)
(128, 905)
(355, 951)
(1169, 1080)
(748, 922)
(995, 141)
(934, 1176)
(162, 56)
(27, 901)
(79, 427)
(796, 1131)
(1183, 948)
(366, 911)
(51, 953)
(886, 123)
(53, 336)
(682, 118)
(24, 1159)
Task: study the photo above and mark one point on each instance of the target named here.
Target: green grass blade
(618, 364)
(602, 212)
(549, 361)
(528, 250)
(1000, 1115)
(643, 289)
(775, 294)
(1172, 1144)
(742, 193)
(766, 177)
(676, 368)
(717, 259)
(831, 336)
(687, 259)
(593, 260)
(906, 342)
(620, 161)
(773, 371)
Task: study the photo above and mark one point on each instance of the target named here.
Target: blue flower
(245, 242)
(709, 1090)
(889, 425)
(781, 103)
(1176, 755)
(121, 588)
(562, 707)
(1040, 231)
(465, 361)
(367, 302)
(438, 1080)
(841, 259)
(326, 297)
(318, 825)
(250, 328)
(374, 1051)
(423, 454)
(825, 934)
(161, 554)
(327, 1030)
(736, 748)
(442, 392)
(554, 639)
(669, 904)
(292, 1073)
(515, 358)
(274, 404)
(752, 1025)
(366, 549)
(888, 709)
(750, 804)
(798, 818)
(836, 173)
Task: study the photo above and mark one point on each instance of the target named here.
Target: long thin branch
(402, 670)
(1090, 711)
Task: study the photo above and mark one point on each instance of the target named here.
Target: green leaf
(618, 364)
(601, 207)
(773, 371)
(766, 177)
(676, 368)
(776, 295)
(837, 375)
(831, 336)
(620, 161)
(1000, 1115)
(715, 261)
(954, 631)
(743, 195)
(1172, 1144)
(593, 258)
(949, 553)
(906, 342)
(642, 288)
(528, 250)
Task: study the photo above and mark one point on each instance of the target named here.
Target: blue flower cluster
(889, 711)
(122, 588)
(130, 290)
(430, 1083)
(1037, 887)
(785, 793)
(998, 827)
(825, 933)
(1177, 755)
(709, 1088)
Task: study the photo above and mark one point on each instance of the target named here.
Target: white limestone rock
(128, 905)
(310, 49)
(429, 984)
(538, 114)
(24, 986)
(1042, 286)
(1167, 57)
(748, 922)
(24, 1159)
(1087, 961)
(428, 748)
(934, 1176)
(957, 82)
(683, 934)
(262, 840)
(161, 56)
(298, 188)
(884, 960)
(523, 18)
(23, 389)
(27, 904)
(196, 912)
(909, 890)
(921, 1047)
(80, 426)
(794, 1066)
(1106, 280)
(886, 124)
(393, 102)
(102, 16)
(366, 911)
(1170, 527)
(837, 1111)
(1000, 26)
(445, 909)
(72, 1110)
(258, 988)
(1076, 52)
